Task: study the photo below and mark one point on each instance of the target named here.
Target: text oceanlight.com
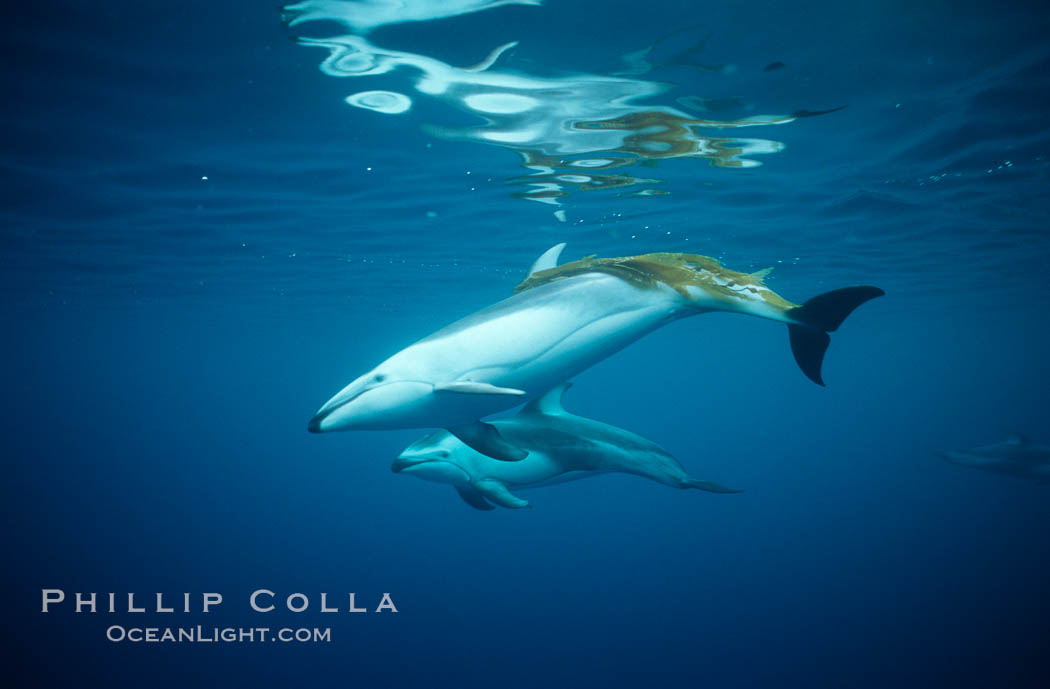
(201, 634)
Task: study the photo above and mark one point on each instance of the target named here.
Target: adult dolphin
(561, 447)
(1015, 456)
(560, 321)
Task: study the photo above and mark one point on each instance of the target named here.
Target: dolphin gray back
(579, 443)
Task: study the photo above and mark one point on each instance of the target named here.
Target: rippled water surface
(201, 151)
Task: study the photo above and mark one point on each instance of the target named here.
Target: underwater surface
(215, 215)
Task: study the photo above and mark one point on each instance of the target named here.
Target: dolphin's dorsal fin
(1016, 439)
(760, 274)
(548, 260)
(549, 403)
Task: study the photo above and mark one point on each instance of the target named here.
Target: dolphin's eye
(379, 377)
(443, 454)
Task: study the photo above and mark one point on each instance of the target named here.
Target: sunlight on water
(569, 130)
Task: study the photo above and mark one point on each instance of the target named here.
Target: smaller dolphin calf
(1014, 457)
(561, 447)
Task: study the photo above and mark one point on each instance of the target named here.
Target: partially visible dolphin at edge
(561, 446)
(1013, 457)
(560, 321)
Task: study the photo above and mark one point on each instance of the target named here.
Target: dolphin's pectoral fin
(469, 387)
(548, 260)
(709, 486)
(486, 439)
(499, 494)
(820, 315)
(473, 497)
(549, 403)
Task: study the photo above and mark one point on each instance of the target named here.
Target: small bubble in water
(204, 178)
(432, 214)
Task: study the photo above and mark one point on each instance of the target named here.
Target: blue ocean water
(203, 240)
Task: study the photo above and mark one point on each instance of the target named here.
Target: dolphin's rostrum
(561, 447)
(560, 321)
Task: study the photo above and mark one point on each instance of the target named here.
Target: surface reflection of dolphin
(561, 446)
(558, 123)
(644, 138)
(1013, 457)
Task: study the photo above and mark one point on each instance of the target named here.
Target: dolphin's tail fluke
(820, 315)
(709, 486)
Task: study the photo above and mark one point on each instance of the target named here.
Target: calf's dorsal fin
(486, 439)
(550, 403)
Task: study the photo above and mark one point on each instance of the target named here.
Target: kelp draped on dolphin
(560, 321)
(1014, 457)
(561, 447)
